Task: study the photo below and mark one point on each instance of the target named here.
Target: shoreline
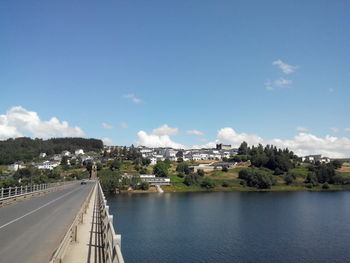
(237, 189)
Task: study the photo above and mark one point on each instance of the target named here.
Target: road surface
(31, 230)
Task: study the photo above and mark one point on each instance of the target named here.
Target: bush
(183, 168)
(224, 169)
(225, 184)
(257, 178)
(181, 175)
(289, 178)
(191, 179)
(325, 186)
(200, 172)
(311, 179)
(207, 183)
(144, 186)
(278, 171)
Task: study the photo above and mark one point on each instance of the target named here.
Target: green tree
(183, 168)
(161, 169)
(64, 160)
(146, 161)
(243, 149)
(116, 164)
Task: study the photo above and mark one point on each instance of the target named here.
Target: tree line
(27, 149)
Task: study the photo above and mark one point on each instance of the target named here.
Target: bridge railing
(17, 191)
(111, 241)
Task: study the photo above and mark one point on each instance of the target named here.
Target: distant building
(47, 165)
(315, 158)
(15, 167)
(223, 146)
(153, 180)
(42, 155)
(66, 153)
(79, 152)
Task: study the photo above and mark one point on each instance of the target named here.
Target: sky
(185, 73)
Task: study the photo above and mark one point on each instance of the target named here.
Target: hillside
(26, 149)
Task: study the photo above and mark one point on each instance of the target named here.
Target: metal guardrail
(111, 241)
(72, 233)
(18, 191)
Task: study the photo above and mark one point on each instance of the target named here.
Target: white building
(15, 167)
(42, 155)
(47, 165)
(79, 152)
(66, 153)
(153, 160)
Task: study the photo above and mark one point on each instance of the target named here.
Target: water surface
(234, 226)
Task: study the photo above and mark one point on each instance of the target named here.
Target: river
(233, 226)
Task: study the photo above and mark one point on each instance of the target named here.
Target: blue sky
(193, 65)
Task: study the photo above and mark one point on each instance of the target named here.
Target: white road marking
(33, 211)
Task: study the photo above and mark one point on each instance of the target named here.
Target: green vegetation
(26, 149)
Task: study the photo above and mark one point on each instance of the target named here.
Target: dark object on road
(83, 182)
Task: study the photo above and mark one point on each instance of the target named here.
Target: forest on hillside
(26, 149)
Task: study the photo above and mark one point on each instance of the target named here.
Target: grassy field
(231, 178)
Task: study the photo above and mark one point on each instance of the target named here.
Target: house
(42, 155)
(47, 165)
(79, 152)
(153, 180)
(15, 167)
(153, 160)
(312, 158)
(66, 153)
(223, 146)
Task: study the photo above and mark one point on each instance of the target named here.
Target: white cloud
(306, 143)
(165, 130)
(195, 132)
(106, 125)
(229, 135)
(282, 82)
(123, 125)
(18, 122)
(153, 140)
(160, 137)
(286, 68)
(277, 84)
(300, 128)
(132, 97)
(302, 144)
(107, 140)
(334, 129)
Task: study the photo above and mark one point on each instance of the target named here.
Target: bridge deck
(30, 231)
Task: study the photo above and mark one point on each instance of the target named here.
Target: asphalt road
(30, 231)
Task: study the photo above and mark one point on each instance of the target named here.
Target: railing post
(9, 191)
(21, 189)
(26, 190)
(15, 190)
(2, 192)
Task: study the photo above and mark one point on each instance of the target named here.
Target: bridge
(66, 222)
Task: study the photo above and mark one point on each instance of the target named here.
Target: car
(83, 182)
